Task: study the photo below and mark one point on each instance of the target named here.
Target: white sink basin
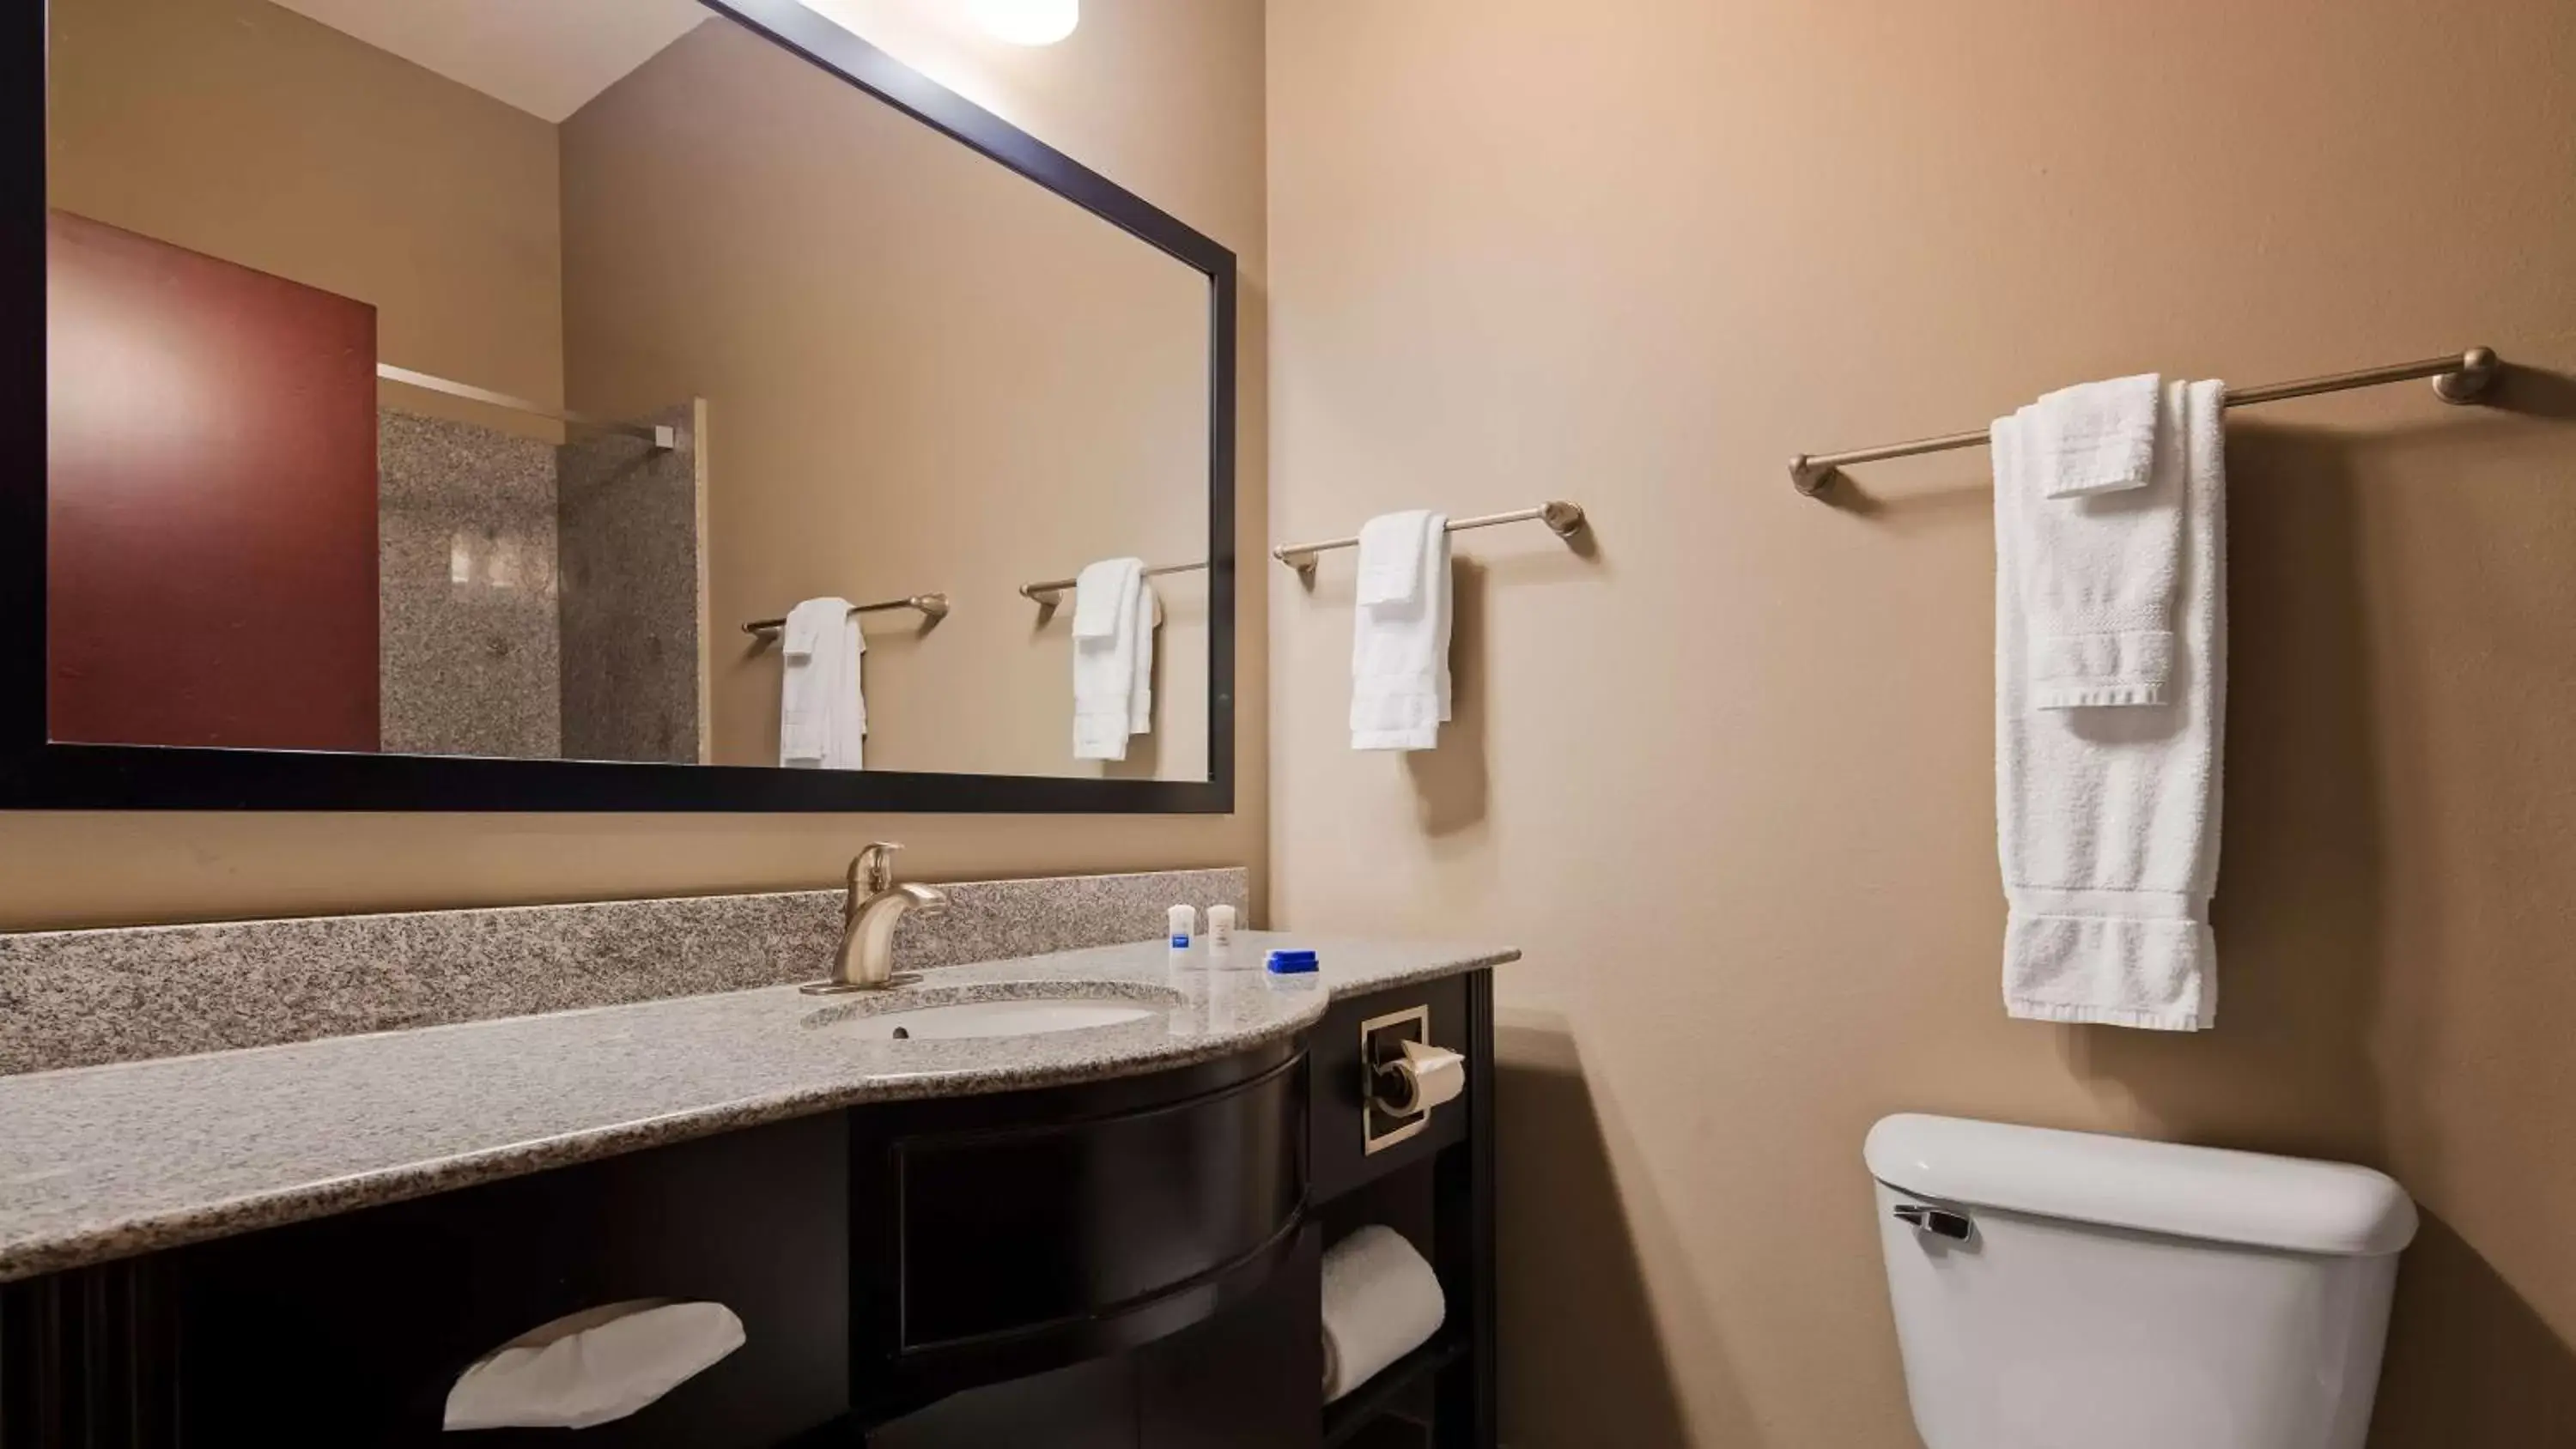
(1025, 1016)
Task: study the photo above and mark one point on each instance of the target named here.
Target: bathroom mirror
(448, 406)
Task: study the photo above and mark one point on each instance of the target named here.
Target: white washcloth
(822, 713)
(1113, 673)
(2100, 573)
(2107, 819)
(1400, 651)
(2096, 437)
(593, 1367)
(1392, 549)
(1101, 597)
(1381, 1302)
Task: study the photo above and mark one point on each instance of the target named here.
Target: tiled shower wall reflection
(469, 647)
(631, 555)
(537, 601)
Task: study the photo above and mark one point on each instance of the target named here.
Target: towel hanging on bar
(1565, 518)
(1050, 592)
(2459, 378)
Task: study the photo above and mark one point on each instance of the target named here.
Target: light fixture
(1027, 22)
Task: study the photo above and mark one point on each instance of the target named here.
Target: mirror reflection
(587, 380)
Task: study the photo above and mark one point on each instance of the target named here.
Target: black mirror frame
(39, 773)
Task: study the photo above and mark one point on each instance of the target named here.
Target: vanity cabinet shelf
(1346, 1418)
(1436, 1187)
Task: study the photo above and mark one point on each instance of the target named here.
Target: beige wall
(244, 130)
(1193, 149)
(1730, 780)
(923, 373)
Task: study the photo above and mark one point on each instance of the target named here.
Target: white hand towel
(2100, 574)
(592, 1367)
(1110, 669)
(822, 713)
(2107, 819)
(1381, 1302)
(1392, 548)
(2097, 437)
(1102, 597)
(1140, 692)
(1400, 651)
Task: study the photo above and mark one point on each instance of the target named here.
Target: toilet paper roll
(594, 1366)
(1381, 1302)
(1438, 1073)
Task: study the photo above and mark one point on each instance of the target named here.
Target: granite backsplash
(80, 998)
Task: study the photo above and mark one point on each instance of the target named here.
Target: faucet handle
(874, 862)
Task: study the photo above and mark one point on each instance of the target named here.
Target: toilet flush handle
(1941, 1222)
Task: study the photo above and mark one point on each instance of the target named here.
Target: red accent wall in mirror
(211, 471)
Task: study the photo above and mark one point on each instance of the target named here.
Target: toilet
(2067, 1290)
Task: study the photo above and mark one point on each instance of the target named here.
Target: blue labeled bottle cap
(1289, 960)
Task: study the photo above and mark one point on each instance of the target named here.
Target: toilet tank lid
(2157, 1187)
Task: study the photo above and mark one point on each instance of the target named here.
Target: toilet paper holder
(1405, 1077)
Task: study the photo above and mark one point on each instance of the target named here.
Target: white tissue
(593, 1367)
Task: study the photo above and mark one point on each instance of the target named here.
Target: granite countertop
(108, 1161)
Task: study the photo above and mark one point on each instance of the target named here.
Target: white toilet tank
(2064, 1290)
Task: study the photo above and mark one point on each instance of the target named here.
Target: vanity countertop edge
(111, 1161)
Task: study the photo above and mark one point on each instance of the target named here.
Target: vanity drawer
(1010, 1235)
(1352, 1141)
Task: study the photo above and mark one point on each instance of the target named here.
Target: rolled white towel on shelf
(1381, 1302)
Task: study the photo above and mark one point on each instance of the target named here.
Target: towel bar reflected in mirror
(932, 606)
(1051, 592)
(1567, 519)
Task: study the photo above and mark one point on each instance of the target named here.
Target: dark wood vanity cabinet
(1128, 1263)
(1247, 1376)
(350, 1329)
(1431, 1180)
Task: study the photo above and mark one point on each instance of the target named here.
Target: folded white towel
(1400, 651)
(1113, 684)
(1381, 1302)
(592, 1367)
(1140, 690)
(1102, 597)
(2100, 572)
(2107, 819)
(1392, 548)
(2096, 437)
(822, 712)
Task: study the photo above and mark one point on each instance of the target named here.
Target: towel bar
(1051, 592)
(1565, 518)
(933, 606)
(2459, 378)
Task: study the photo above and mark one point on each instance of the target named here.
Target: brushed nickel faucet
(866, 958)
